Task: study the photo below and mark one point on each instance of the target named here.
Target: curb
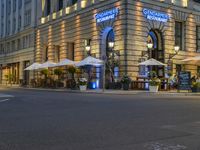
(117, 92)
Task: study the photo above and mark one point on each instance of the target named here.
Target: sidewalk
(112, 92)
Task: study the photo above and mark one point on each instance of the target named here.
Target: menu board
(184, 80)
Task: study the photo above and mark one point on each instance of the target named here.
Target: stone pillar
(21, 70)
(50, 45)
(63, 48)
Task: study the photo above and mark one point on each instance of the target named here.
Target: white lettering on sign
(107, 15)
(155, 15)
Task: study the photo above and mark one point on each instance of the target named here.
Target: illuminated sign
(107, 15)
(155, 15)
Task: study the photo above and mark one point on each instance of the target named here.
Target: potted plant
(126, 80)
(72, 82)
(154, 82)
(58, 72)
(82, 84)
(196, 87)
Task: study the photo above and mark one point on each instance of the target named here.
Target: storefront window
(198, 38)
(179, 34)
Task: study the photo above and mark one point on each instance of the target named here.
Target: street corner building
(116, 30)
(17, 39)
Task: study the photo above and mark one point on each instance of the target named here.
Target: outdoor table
(142, 83)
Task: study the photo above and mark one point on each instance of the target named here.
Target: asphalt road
(41, 120)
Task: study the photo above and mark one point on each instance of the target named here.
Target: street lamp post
(150, 46)
(176, 50)
(149, 50)
(88, 50)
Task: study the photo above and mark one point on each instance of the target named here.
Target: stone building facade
(65, 31)
(17, 39)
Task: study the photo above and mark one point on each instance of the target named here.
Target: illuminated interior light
(67, 10)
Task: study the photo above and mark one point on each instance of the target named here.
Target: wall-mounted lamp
(88, 47)
(149, 49)
(176, 50)
(111, 44)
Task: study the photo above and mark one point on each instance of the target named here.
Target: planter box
(195, 90)
(83, 87)
(153, 89)
(125, 87)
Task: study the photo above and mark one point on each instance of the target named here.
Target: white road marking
(4, 100)
(159, 146)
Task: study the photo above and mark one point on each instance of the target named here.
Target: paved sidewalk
(115, 92)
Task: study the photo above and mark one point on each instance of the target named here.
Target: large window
(70, 48)
(198, 38)
(27, 17)
(179, 36)
(48, 7)
(57, 53)
(60, 4)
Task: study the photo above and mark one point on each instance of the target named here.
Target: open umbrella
(65, 62)
(47, 64)
(151, 62)
(90, 61)
(34, 66)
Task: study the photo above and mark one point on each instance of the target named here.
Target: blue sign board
(107, 15)
(155, 15)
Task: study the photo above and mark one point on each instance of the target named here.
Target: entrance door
(157, 53)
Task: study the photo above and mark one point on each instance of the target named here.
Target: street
(43, 120)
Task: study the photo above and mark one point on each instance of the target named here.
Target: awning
(90, 61)
(152, 62)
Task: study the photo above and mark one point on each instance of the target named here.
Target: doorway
(157, 52)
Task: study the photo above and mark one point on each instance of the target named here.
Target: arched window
(110, 38)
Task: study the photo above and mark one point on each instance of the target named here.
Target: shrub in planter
(154, 82)
(72, 71)
(196, 87)
(126, 80)
(82, 84)
(44, 72)
(58, 72)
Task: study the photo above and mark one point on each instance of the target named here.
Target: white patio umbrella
(34, 66)
(65, 62)
(47, 64)
(151, 62)
(90, 61)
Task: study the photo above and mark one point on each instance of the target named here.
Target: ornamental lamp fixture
(111, 44)
(176, 49)
(88, 48)
(149, 45)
